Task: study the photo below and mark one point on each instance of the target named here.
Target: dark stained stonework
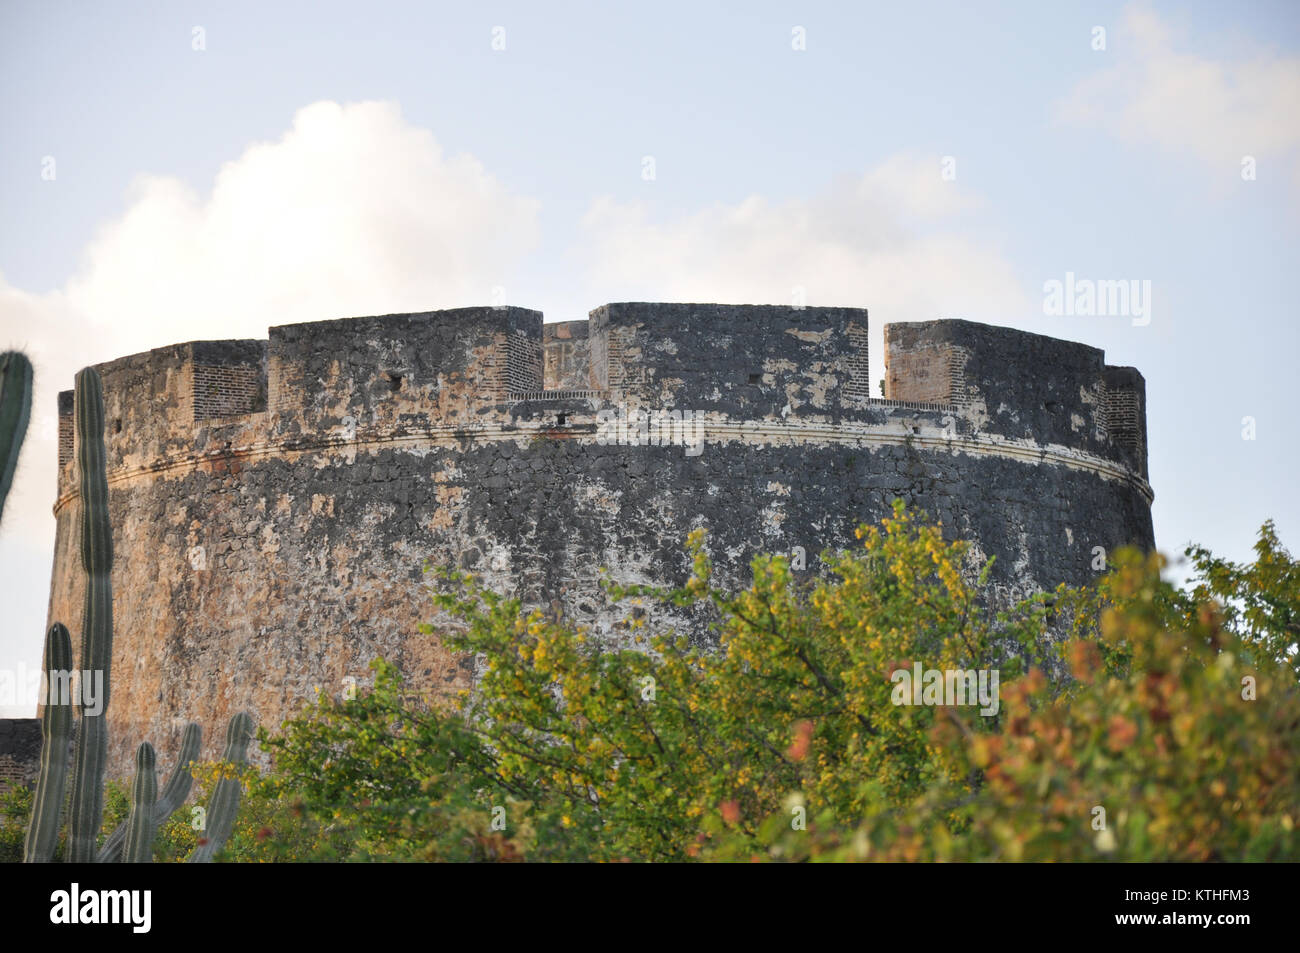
(20, 752)
(278, 546)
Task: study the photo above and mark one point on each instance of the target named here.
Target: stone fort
(274, 502)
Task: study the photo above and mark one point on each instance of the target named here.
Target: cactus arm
(56, 732)
(178, 785)
(86, 813)
(15, 409)
(173, 795)
(111, 851)
(144, 797)
(224, 803)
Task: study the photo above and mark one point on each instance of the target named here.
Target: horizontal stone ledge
(723, 432)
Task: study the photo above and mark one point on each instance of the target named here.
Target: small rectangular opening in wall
(755, 379)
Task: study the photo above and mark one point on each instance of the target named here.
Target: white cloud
(1216, 109)
(353, 211)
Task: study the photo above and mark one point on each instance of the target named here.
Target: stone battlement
(479, 369)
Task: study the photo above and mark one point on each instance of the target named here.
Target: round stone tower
(274, 502)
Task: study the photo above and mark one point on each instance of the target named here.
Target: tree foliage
(1135, 721)
(1173, 734)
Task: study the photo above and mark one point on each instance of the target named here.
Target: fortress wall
(741, 360)
(250, 588)
(148, 410)
(280, 550)
(359, 375)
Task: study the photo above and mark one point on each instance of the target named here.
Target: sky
(180, 171)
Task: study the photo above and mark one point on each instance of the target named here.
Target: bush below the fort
(1174, 736)
(1134, 721)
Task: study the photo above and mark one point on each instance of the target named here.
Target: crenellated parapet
(320, 381)
(739, 374)
(477, 369)
(1018, 385)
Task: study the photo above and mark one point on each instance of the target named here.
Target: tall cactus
(86, 813)
(224, 803)
(56, 734)
(133, 840)
(173, 795)
(144, 796)
(15, 408)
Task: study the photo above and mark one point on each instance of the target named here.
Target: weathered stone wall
(751, 360)
(1020, 385)
(266, 553)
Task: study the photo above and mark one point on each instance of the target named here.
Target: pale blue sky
(774, 167)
